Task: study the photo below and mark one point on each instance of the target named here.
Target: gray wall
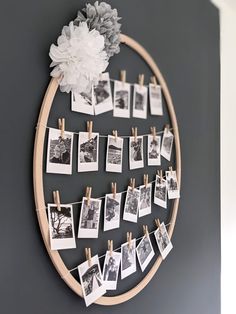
(183, 37)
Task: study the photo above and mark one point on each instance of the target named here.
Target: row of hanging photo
(99, 99)
(138, 203)
(60, 146)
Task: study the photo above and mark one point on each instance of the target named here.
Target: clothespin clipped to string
(61, 126)
(113, 189)
(153, 80)
(154, 132)
(132, 183)
(123, 76)
(88, 194)
(167, 127)
(145, 180)
(171, 170)
(110, 246)
(135, 133)
(159, 173)
(88, 256)
(56, 197)
(145, 230)
(129, 239)
(141, 79)
(115, 134)
(89, 128)
(158, 224)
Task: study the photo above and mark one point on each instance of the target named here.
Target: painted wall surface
(183, 38)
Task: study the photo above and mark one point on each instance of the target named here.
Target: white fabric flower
(79, 58)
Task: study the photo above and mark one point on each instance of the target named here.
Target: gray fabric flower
(105, 20)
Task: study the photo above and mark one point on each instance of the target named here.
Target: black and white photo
(82, 103)
(128, 258)
(89, 218)
(160, 192)
(155, 98)
(136, 152)
(121, 99)
(112, 211)
(154, 150)
(101, 96)
(163, 241)
(167, 143)
(59, 152)
(172, 185)
(88, 152)
(140, 101)
(111, 270)
(145, 206)
(114, 155)
(131, 208)
(91, 280)
(61, 227)
(145, 252)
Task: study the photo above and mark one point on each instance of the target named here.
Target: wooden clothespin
(171, 170)
(167, 127)
(56, 197)
(158, 224)
(154, 132)
(123, 76)
(153, 80)
(88, 256)
(145, 230)
(113, 189)
(135, 133)
(145, 180)
(129, 239)
(132, 183)
(159, 173)
(115, 134)
(141, 79)
(110, 246)
(88, 194)
(61, 125)
(89, 128)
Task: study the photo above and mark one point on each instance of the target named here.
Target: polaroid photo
(128, 259)
(155, 97)
(112, 211)
(160, 192)
(114, 156)
(145, 207)
(121, 99)
(172, 185)
(89, 218)
(111, 270)
(59, 152)
(88, 152)
(61, 227)
(163, 241)
(167, 143)
(101, 96)
(145, 252)
(131, 208)
(140, 101)
(82, 103)
(136, 152)
(91, 280)
(154, 150)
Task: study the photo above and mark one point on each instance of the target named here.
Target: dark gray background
(183, 38)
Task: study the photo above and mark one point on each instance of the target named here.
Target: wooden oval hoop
(39, 189)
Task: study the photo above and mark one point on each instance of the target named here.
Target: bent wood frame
(39, 188)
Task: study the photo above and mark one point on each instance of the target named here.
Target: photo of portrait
(140, 101)
(88, 152)
(111, 270)
(131, 208)
(160, 192)
(154, 151)
(172, 185)
(136, 152)
(112, 211)
(114, 155)
(82, 103)
(121, 99)
(163, 241)
(61, 227)
(59, 152)
(167, 143)
(128, 259)
(145, 252)
(155, 98)
(101, 96)
(91, 280)
(145, 206)
(89, 218)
